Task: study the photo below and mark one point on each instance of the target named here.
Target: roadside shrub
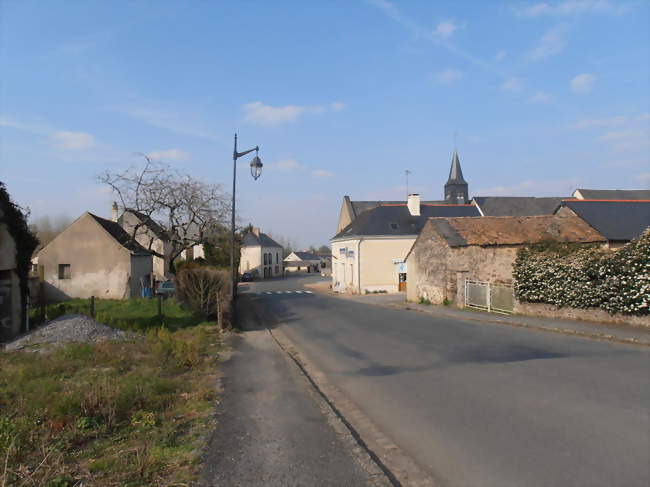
(562, 275)
(202, 289)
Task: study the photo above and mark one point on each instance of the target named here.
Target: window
(277, 269)
(277, 258)
(265, 258)
(64, 271)
(393, 226)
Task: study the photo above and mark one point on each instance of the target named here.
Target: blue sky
(341, 96)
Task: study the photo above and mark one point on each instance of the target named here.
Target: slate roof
(263, 240)
(517, 205)
(455, 172)
(615, 194)
(307, 256)
(396, 220)
(517, 230)
(120, 235)
(361, 206)
(156, 229)
(615, 220)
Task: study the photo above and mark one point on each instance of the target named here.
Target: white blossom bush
(579, 277)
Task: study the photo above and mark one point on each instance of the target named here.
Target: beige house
(260, 255)
(369, 253)
(10, 300)
(94, 257)
(449, 250)
(302, 262)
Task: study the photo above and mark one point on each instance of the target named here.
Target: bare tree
(47, 227)
(174, 206)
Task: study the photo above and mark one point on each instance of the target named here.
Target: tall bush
(562, 275)
(203, 289)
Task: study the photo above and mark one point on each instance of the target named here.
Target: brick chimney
(114, 211)
(413, 204)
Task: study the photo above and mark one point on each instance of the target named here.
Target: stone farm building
(450, 250)
(94, 257)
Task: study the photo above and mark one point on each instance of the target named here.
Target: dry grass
(109, 414)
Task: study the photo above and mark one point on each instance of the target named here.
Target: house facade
(261, 255)
(94, 257)
(302, 262)
(450, 250)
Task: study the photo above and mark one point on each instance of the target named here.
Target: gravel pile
(66, 329)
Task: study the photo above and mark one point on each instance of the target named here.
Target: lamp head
(256, 166)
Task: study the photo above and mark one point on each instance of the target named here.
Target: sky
(342, 96)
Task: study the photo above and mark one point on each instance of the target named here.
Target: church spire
(456, 189)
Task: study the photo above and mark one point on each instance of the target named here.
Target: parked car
(247, 277)
(166, 289)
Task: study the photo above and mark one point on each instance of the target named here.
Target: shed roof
(306, 256)
(516, 205)
(615, 194)
(261, 240)
(514, 230)
(120, 235)
(615, 220)
(395, 219)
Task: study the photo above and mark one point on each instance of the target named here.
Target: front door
(402, 282)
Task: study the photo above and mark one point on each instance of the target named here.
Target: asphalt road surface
(478, 404)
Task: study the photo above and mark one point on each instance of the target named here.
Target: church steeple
(456, 189)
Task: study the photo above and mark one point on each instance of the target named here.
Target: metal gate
(490, 297)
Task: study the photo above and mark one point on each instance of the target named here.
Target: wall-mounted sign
(351, 254)
(402, 268)
(343, 251)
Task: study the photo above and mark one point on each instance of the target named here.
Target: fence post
(92, 307)
(489, 298)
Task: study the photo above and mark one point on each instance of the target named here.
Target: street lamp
(256, 172)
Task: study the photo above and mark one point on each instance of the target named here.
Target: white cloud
(529, 187)
(600, 122)
(321, 174)
(644, 178)
(448, 76)
(512, 85)
(169, 155)
(501, 55)
(540, 97)
(258, 113)
(73, 140)
(446, 28)
(337, 106)
(571, 7)
(285, 165)
(582, 83)
(622, 135)
(550, 44)
(168, 120)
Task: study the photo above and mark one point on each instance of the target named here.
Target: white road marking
(288, 292)
(269, 292)
(309, 292)
(278, 292)
(298, 292)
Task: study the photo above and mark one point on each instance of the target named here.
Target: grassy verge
(128, 314)
(110, 414)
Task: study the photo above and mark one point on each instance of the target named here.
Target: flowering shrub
(565, 275)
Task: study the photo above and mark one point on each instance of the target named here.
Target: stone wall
(590, 314)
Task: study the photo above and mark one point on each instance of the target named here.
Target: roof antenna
(407, 172)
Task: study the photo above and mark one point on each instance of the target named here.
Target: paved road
(271, 431)
(479, 404)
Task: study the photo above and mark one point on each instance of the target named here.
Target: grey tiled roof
(396, 220)
(455, 171)
(157, 230)
(120, 235)
(263, 240)
(517, 205)
(360, 206)
(307, 256)
(615, 220)
(615, 194)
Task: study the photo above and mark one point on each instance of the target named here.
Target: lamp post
(256, 172)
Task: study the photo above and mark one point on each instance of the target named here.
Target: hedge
(591, 277)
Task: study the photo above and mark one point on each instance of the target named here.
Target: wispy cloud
(169, 155)
(67, 140)
(25, 127)
(550, 44)
(258, 113)
(501, 55)
(446, 28)
(293, 166)
(512, 85)
(600, 122)
(571, 7)
(631, 135)
(321, 174)
(447, 76)
(529, 187)
(582, 83)
(169, 120)
(540, 97)
(644, 178)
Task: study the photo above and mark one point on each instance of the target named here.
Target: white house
(302, 262)
(260, 255)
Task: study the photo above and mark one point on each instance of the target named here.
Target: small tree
(184, 209)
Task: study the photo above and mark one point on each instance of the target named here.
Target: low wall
(588, 314)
